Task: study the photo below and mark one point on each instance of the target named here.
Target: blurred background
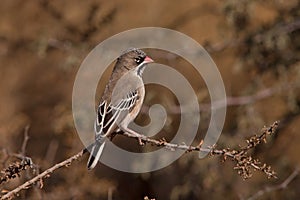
(255, 44)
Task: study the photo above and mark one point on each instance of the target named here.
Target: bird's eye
(138, 60)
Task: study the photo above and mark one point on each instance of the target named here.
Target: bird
(121, 100)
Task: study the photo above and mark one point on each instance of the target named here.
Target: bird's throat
(140, 70)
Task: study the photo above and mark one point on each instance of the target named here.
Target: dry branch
(14, 170)
(280, 186)
(40, 177)
(243, 162)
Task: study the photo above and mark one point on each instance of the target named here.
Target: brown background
(255, 44)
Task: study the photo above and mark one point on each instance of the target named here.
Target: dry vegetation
(256, 46)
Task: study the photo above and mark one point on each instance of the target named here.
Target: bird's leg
(113, 134)
(133, 133)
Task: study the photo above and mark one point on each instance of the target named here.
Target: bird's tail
(96, 153)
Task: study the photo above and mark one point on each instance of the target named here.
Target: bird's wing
(108, 114)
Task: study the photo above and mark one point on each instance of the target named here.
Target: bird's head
(133, 58)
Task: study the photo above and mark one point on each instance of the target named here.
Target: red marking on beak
(148, 60)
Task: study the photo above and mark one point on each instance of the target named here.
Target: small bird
(121, 101)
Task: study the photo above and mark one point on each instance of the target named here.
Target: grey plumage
(121, 101)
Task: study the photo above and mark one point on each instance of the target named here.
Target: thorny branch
(243, 162)
(14, 170)
(42, 176)
(280, 186)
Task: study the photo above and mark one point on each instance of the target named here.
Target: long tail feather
(95, 154)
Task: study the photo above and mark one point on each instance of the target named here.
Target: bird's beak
(148, 60)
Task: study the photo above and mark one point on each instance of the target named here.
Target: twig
(280, 186)
(243, 162)
(14, 170)
(248, 99)
(51, 151)
(235, 100)
(110, 193)
(25, 140)
(147, 198)
(286, 28)
(240, 157)
(45, 174)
